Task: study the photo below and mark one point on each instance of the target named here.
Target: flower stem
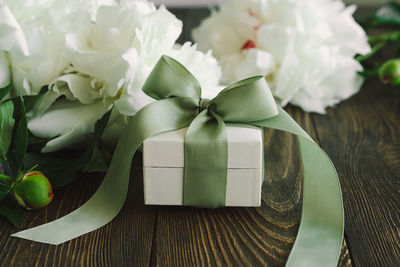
(378, 43)
(374, 50)
(386, 37)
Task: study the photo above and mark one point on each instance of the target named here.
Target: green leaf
(19, 142)
(12, 212)
(368, 73)
(99, 128)
(97, 163)
(61, 171)
(21, 136)
(4, 190)
(5, 168)
(385, 38)
(31, 100)
(98, 132)
(7, 123)
(4, 91)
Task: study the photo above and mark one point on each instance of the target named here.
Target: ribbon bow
(205, 148)
(179, 105)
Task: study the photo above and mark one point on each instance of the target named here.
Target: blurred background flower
(305, 49)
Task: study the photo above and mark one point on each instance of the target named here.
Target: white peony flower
(93, 55)
(32, 36)
(66, 123)
(108, 62)
(305, 49)
(202, 65)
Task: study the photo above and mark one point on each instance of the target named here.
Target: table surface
(360, 135)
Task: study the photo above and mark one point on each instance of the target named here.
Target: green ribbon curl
(180, 105)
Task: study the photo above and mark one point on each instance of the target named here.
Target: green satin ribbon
(179, 105)
(206, 148)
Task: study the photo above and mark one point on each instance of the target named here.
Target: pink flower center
(249, 44)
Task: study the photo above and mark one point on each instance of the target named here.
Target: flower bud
(389, 72)
(32, 190)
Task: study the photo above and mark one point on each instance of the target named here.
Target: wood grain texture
(179, 236)
(242, 236)
(345, 259)
(367, 127)
(360, 135)
(124, 241)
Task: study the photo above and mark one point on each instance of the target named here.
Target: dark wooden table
(362, 137)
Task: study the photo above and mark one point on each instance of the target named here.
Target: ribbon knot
(205, 144)
(204, 104)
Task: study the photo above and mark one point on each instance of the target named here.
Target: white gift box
(163, 161)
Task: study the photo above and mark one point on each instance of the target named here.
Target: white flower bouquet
(72, 72)
(76, 63)
(91, 56)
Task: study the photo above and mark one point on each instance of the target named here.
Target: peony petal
(66, 123)
(331, 90)
(109, 68)
(202, 65)
(352, 35)
(79, 86)
(11, 34)
(128, 105)
(5, 76)
(288, 79)
(44, 103)
(277, 40)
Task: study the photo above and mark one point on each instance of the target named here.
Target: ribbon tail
(320, 236)
(105, 204)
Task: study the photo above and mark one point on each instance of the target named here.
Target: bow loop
(170, 78)
(245, 101)
(248, 100)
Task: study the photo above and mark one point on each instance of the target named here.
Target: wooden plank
(345, 259)
(241, 236)
(124, 241)
(362, 138)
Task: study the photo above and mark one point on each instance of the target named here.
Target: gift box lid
(245, 148)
